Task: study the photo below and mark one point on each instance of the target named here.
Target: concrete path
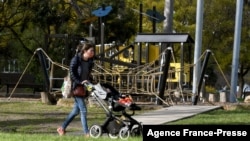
(172, 113)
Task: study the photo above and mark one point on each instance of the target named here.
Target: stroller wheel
(95, 131)
(136, 130)
(112, 136)
(124, 133)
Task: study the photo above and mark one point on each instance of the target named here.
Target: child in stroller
(122, 126)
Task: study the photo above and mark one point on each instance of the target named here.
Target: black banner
(163, 132)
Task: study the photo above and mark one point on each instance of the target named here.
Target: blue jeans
(79, 106)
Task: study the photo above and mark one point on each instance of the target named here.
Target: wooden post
(44, 97)
(212, 97)
(223, 97)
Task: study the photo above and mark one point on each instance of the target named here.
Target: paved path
(172, 113)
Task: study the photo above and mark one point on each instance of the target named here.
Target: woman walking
(80, 71)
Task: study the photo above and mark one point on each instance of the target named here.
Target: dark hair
(83, 46)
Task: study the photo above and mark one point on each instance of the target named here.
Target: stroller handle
(89, 86)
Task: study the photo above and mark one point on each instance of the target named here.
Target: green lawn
(34, 120)
(239, 116)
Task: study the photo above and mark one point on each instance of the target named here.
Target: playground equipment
(147, 68)
(135, 69)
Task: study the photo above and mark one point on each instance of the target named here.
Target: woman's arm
(75, 77)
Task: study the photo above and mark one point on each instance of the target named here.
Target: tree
(24, 24)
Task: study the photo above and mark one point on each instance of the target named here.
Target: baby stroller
(116, 126)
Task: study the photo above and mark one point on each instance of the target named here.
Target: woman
(80, 69)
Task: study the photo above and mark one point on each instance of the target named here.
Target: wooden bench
(27, 81)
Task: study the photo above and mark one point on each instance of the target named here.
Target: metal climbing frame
(166, 40)
(148, 78)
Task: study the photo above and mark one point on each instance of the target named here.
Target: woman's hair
(83, 46)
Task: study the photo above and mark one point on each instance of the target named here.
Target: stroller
(116, 126)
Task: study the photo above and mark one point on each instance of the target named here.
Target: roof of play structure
(164, 38)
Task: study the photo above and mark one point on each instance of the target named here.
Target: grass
(44, 137)
(34, 120)
(217, 117)
(40, 137)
